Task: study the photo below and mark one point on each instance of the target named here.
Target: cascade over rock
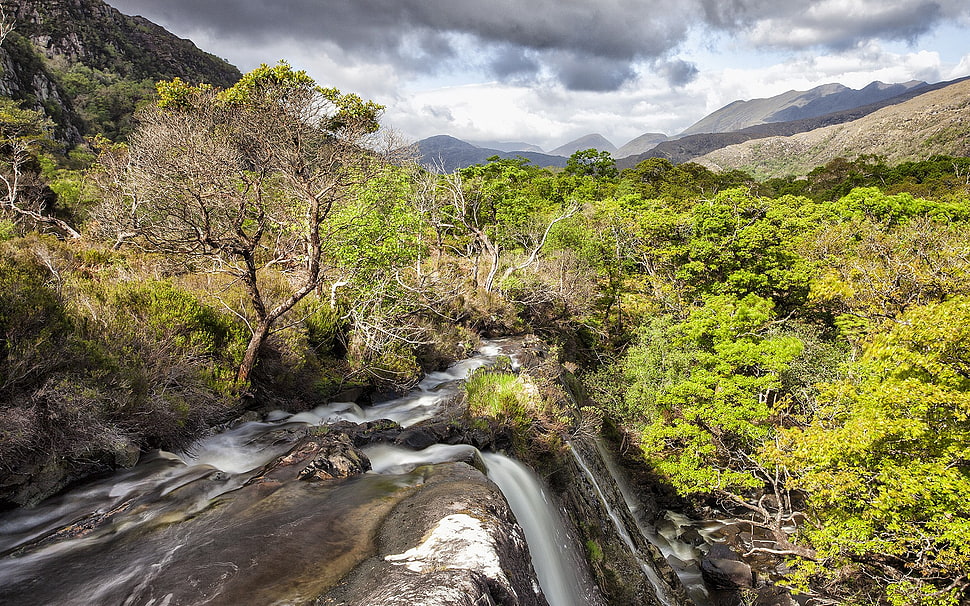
(453, 542)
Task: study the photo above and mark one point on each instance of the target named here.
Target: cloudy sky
(548, 71)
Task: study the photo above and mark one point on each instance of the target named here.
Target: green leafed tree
(242, 181)
(24, 195)
(593, 163)
(887, 463)
(704, 396)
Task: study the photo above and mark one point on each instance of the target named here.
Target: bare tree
(243, 181)
(23, 195)
(6, 24)
(468, 211)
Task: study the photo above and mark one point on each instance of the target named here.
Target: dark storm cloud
(513, 62)
(585, 45)
(677, 72)
(589, 46)
(578, 72)
(835, 24)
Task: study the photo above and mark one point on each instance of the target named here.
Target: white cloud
(497, 72)
(961, 70)
(854, 68)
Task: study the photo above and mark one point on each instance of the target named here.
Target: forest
(794, 350)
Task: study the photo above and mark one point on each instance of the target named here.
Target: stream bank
(346, 505)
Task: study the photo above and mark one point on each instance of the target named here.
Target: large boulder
(723, 569)
(453, 542)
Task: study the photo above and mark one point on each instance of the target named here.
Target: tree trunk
(252, 352)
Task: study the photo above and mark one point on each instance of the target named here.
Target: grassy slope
(937, 122)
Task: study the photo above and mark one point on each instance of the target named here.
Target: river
(193, 527)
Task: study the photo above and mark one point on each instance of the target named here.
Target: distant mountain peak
(592, 141)
(639, 145)
(444, 153)
(796, 105)
(508, 146)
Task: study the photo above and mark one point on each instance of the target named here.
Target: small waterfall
(683, 557)
(114, 540)
(555, 555)
(661, 590)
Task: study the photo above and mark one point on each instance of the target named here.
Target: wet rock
(723, 569)
(336, 459)
(452, 543)
(417, 438)
(618, 571)
(422, 435)
(250, 416)
(37, 476)
(358, 395)
(317, 457)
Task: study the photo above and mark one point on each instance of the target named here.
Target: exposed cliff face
(24, 77)
(86, 65)
(97, 35)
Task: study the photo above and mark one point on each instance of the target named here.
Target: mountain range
(780, 116)
(443, 153)
(935, 122)
(86, 66)
(796, 105)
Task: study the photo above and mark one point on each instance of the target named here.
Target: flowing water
(665, 534)
(661, 591)
(201, 527)
(555, 553)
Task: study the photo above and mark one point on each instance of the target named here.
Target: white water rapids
(59, 552)
(555, 554)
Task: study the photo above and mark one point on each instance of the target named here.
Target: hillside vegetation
(792, 352)
(795, 360)
(86, 66)
(937, 122)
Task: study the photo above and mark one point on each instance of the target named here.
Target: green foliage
(176, 94)
(742, 244)
(8, 229)
(19, 124)
(500, 395)
(661, 179)
(508, 200)
(892, 210)
(92, 370)
(179, 317)
(873, 271)
(592, 163)
(279, 86)
(937, 176)
(702, 392)
(105, 100)
(379, 232)
(34, 325)
(885, 458)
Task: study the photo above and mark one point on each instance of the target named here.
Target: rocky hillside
(86, 65)
(796, 105)
(685, 149)
(937, 122)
